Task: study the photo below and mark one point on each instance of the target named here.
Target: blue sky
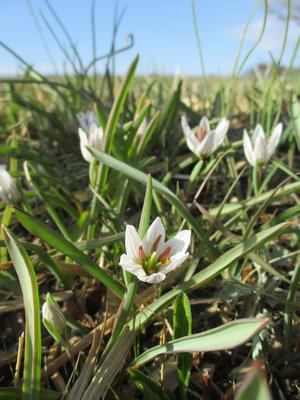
(162, 29)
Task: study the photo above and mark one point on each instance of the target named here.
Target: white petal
(190, 137)
(258, 132)
(221, 131)
(96, 137)
(153, 278)
(179, 243)
(142, 129)
(86, 120)
(274, 140)
(83, 143)
(132, 242)
(208, 144)
(248, 149)
(260, 149)
(204, 124)
(131, 266)
(9, 192)
(155, 230)
(175, 262)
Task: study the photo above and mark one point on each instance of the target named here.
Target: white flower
(86, 120)
(90, 134)
(141, 133)
(9, 192)
(206, 141)
(259, 149)
(142, 129)
(150, 258)
(54, 317)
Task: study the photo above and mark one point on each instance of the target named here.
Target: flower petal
(83, 143)
(155, 231)
(131, 266)
(274, 140)
(248, 149)
(175, 262)
(204, 125)
(9, 192)
(96, 137)
(260, 149)
(208, 144)
(132, 242)
(221, 131)
(190, 137)
(258, 133)
(153, 278)
(179, 243)
(86, 120)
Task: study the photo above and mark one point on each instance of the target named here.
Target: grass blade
(67, 248)
(29, 286)
(224, 337)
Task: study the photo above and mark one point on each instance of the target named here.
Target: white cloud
(273, 36)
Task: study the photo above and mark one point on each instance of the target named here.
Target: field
(93, 303)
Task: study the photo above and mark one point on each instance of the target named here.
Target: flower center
(153, 262)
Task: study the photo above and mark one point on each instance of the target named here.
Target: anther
(165, 255)
(201, 134)
(142, 255)
(155, 244)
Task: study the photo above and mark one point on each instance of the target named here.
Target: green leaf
(67, 248)
(296, 119)
(224, 337)
(284, 191)
(254, 385)
(16, 394)
(146, 211)
(182, 324)
(118, 105)
(29, 286)
(141, 177)
(182, 316)
(151, 390)
(168, 112)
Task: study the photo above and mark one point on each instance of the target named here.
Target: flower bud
(53, 318)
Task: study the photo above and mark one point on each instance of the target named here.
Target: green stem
(96, 183)
(289, 308)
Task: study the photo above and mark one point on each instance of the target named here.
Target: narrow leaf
(29, 286)
(67, 248)
(223, 337)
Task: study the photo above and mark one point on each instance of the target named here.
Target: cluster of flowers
(150, 258)
(258, 149)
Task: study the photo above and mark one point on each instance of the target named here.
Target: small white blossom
(205, 141)
(141, 133)
(9, 192)
(150, 258)
(259, 149)
(90, 134)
